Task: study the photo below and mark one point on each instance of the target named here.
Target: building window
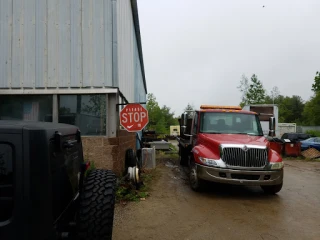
(26, 107)
(88, 112)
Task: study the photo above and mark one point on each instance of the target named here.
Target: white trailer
(175, 130)
(287, 128)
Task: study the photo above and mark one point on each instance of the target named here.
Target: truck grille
(238, 157)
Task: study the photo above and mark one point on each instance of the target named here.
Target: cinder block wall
(108, 153)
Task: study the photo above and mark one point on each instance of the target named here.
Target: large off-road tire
(96, 206)
(130, 160)
(273, 189)
(196, 184)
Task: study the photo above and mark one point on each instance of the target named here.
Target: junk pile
(311, 153)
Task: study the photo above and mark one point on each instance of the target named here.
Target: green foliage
(127, 192)
(313, 133)
(256, 93)
(316, 84)
(291, 109)
(160, 119)
(311, 112)
(92, 167)
(168, 116)
(252, 91)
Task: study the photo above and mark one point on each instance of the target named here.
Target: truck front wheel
(272, 189)
(196, 184)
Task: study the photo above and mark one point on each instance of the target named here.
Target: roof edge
(134, 7)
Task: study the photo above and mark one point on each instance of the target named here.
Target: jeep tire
(96, 206)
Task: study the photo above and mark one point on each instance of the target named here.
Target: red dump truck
(226, 144)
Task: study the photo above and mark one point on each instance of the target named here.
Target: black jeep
(47, 191)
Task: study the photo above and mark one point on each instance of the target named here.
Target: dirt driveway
(174, 211)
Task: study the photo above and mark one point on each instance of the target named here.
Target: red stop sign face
(134, 117)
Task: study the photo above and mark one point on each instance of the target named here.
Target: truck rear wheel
(272, 189)
(95, 216)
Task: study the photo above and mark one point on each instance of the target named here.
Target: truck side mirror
(272, 126)
(184, 119)
(183, 129)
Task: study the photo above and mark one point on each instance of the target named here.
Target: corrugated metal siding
(76, 76)
(139, 91)
(55, 43)
(29, 53)
(125, 33)
(5, 43)
(17, 45)
(87, 43)
(41, 47)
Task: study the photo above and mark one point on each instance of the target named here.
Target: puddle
(170, 165)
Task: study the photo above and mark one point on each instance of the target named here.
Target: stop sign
(134, 117)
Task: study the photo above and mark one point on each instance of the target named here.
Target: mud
(174, 211)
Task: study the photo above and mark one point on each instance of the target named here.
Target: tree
(311, 113)
(189, 108)
(255, 93)
(243, 87)
(160, 119)
(274, 93)
(168, 116)
(291, 109)
(316, 84)
(156, 121)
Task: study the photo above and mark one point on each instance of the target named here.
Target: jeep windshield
(230, 123)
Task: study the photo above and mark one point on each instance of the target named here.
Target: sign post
(134, 117)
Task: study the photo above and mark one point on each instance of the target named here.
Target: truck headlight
(277, 165)
(208, 161)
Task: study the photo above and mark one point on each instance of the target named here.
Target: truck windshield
(230, 123)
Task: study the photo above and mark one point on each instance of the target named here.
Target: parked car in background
(311, 143)
(296, 137)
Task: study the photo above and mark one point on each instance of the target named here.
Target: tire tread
(95, 217)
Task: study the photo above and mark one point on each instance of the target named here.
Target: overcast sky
(197, 51)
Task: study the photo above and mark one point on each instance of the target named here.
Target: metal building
(70, 61)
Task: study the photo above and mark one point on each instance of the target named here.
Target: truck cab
(226, 144)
